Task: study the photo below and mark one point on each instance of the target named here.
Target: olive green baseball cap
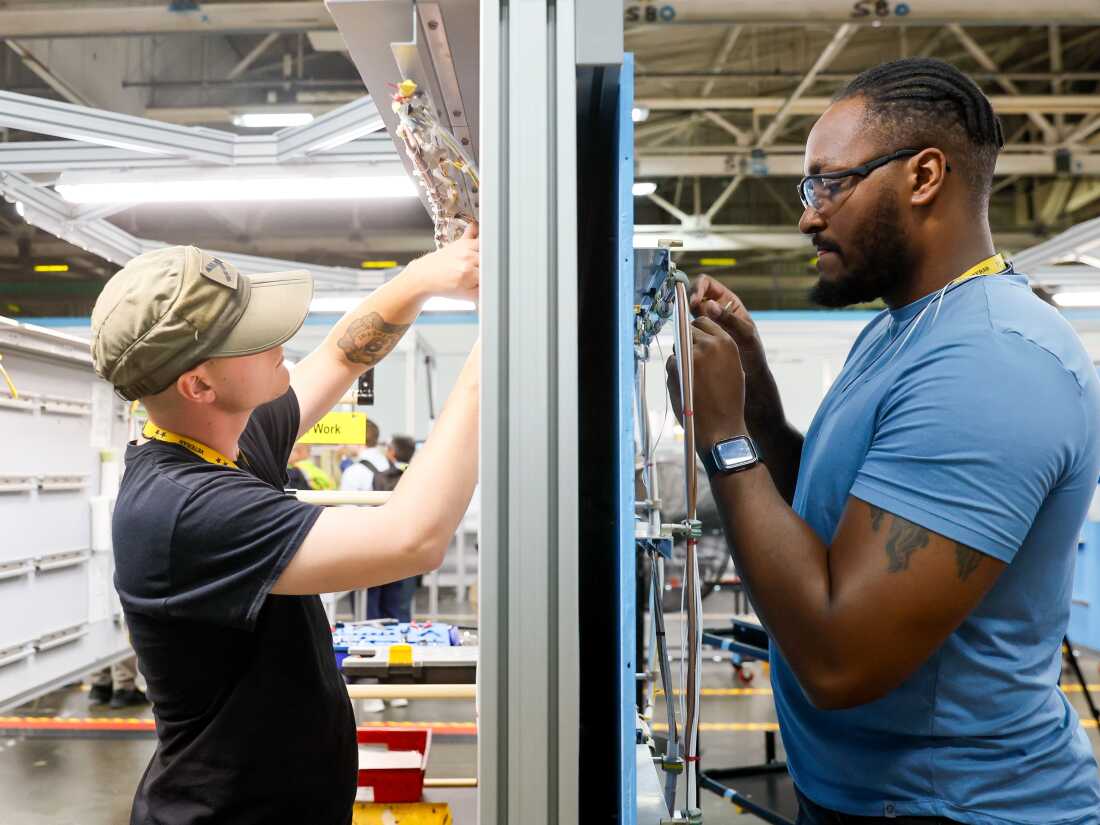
(170, 309)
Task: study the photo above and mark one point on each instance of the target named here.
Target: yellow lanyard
(993, 265)
(209, 454)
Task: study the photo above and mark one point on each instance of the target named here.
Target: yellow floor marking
(408, 813)
(380, 723)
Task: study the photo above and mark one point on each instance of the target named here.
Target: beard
(886, 265)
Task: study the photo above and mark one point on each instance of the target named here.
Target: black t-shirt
(254, 724)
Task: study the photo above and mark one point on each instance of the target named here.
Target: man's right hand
(454, 271)
(713, 300)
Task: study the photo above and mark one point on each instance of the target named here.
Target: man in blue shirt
(912, 556)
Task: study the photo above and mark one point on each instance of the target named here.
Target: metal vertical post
(528, 691)
(627, 549)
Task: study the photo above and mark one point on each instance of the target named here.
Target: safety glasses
(826, 192)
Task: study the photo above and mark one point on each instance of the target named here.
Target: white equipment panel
(63, 438)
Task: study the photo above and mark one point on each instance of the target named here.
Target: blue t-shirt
(983, 425)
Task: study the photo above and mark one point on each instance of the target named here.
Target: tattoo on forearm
(966, 560)
(903, 540)
(369, 339)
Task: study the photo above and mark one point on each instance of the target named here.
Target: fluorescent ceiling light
(345, 303)
(643, 188)
(240, 189)
(1077, 299)
(264, 120)
(639, 113)
(19, 209)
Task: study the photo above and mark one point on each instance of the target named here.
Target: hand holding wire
(719, 384)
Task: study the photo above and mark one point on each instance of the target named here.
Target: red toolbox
(392, 764)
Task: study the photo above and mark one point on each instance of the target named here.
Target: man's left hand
(719, 409)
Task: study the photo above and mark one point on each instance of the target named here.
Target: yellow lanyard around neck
(993, 265)
(209, 454)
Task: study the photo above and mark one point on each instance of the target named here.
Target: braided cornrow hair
(917, 102)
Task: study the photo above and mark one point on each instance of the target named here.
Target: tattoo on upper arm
(966, 560)
(369, 339)
(903, 540)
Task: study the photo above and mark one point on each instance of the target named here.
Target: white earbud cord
(938, 301)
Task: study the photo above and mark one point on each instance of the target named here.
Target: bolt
(465, 141)
(457, 112)
(433, 24)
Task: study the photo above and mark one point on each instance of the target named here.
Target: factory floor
(88, 777)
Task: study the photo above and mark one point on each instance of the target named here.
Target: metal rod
(691, 482)
(330, 498)
(452, 782)
(449, 692)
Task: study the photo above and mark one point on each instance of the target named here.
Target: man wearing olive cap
(217, 568)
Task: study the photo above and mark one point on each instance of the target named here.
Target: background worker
(912, 557)
(359, 475)
(116, 685)
(394, 599)
(301, 459)
(217, 568)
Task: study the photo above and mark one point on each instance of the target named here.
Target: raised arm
(367, 334)
(350, 548)
(856, 613)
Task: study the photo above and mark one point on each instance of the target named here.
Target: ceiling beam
(50, 117)
(252, 56)
(1021, 104)
(1086, 192)
(835, 46)
(1084, 129)
(924, 13)
(46, 209)
(50, 78)
(46, 157)
(688, 162)
(743, 138)
(844, 77)
(721, 200)
(1050, 134)
(84, 20)
(721, 56)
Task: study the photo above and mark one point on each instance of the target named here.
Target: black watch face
(734, 453)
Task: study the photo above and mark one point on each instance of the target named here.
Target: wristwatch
(731, 456)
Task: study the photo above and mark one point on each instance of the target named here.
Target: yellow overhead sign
(338, 428)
